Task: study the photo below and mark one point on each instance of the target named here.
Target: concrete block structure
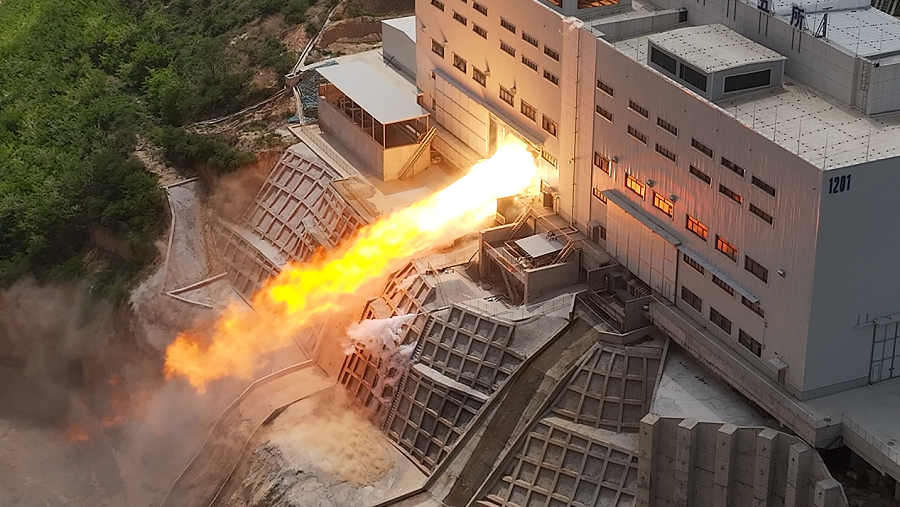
(734, 157)
(295, 213)
(686, 462)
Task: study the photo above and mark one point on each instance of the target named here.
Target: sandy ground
(322, 452)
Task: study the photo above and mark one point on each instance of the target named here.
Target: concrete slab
(874, 408)
(687, 389)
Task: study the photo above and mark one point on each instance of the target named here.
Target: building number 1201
(839, 184)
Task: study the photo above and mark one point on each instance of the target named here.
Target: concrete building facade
(750, 194)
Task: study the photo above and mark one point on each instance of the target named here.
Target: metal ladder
(424, 144)
(519, 223)
(564, 252)
(510, 288)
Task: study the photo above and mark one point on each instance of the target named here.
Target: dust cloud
(335, 436)
(85, 415)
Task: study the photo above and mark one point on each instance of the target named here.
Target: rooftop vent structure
(714, 61)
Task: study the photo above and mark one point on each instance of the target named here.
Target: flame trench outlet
(301, 293)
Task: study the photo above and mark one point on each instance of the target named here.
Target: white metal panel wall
(646, 254)
(463, 117)
(788, 244)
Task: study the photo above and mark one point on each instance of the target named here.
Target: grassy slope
(78, 80)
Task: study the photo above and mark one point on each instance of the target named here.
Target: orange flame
(300, 293)
(76, 433)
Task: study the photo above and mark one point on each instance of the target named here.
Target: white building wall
(856, 273)
(397, 46)
(788, 245)
(436, 75)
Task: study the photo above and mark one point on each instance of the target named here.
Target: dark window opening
(692, 77)
(664, 61)
(748, 81)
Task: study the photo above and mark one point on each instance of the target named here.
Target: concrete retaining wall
(684, 462)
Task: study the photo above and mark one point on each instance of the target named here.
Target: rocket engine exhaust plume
(301, 293)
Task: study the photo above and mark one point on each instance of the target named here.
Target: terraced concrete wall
(296, 212)
(560, 465)
(684, 462)
(365, 374)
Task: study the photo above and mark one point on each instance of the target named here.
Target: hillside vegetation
(80, 80)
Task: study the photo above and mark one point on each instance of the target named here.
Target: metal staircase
(519, 223)
(564, 252)
(424, 144)
(510, 287)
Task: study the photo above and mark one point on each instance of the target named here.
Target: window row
(727, 249)
(722, 322)
(672, 129)
(480, 8)
(716, 317)
(529, 111)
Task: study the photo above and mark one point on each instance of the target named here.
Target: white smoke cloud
(379, 336)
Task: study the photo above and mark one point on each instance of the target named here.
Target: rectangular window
(692, 77)
(548, 157)
(509, 26)
(702, 148)
(731, 194)
(605, 88)
(663, 204)
(691, 299)
(479, 77)
(480, 8)
(459, 17)
(438, 4)
(719, 320)
(665, 152)
(552, 53)
(767, 218)
(753, 306)
(459, 63)
(437, 48)
(765, 187)
(549, 125)
(528, 111)
(604, 113)
(722, 284)
(635, 186)
(697, 228)
(601, 162)
(529, 63)
(529, 39)
(733, 167)
(748, 81)
(726, 248)
(507, 96)
(599, 195)
(668, 127)
(700, 175)
(758, 270)
(748, 342)
(637, 134)
(511, 51)
(663, 61)
(550, 77)
(634, 106)
(694, 264)
(480, 31)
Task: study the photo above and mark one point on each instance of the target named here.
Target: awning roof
(365, 86)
